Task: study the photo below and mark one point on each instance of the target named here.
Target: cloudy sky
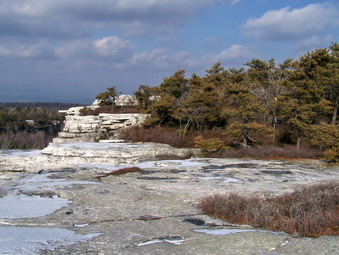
(71, 50)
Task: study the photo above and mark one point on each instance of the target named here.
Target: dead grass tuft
(119, 172)
(308, 211)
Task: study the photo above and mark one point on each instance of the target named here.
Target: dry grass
(308, 211)
(119, 172)
(169, 136)
(25, 140)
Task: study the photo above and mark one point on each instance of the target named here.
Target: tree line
(290, 102)
(27, 127)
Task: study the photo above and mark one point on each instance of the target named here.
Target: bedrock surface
(154, 211)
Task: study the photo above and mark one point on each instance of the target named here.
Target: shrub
(332, 154)
(309, 211)
(169, 136)
(210, 145)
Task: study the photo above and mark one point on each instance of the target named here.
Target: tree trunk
(244, 140)
(298, 145)
(274, 128)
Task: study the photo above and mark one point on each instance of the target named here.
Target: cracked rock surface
(152, 211)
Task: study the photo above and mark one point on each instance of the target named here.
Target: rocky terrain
(52, 203)
(92, 128)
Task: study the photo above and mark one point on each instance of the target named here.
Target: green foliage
(83, 111)
(246, 131)
(296, 95)
(332, 154)
(107, 97)
(146, 96)
(210, 145)
(323, 136)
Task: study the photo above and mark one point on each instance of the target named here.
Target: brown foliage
(120, 171)
(108, 109)
(308, 211)
(169, 136)
(24, 140)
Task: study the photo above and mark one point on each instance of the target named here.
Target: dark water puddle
(276, 172)
(174, 171)
(195, 221)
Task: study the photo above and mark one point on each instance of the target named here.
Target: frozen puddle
(31, 240)
(20, 153)
(43, 182)
(230, 231)
(16, 204)
(176, 240)
(23, 206)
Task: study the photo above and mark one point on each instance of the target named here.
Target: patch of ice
(170, 163)
(81, 225)
(43, 182)
(230, 231)
(23, 206)
(32, 240)
(104, 146)
(20, 153)
(219, 178)
(176, 240)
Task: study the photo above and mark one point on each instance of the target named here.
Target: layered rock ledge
(92, 128)
(67, 155)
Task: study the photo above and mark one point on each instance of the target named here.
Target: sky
(72, 50)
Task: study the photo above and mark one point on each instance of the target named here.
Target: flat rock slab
(154, 211)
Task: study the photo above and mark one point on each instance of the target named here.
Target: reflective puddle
(230, 231)
(23, 206)
(31, 240)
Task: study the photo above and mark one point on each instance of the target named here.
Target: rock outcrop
(94, 128)
(69, 155)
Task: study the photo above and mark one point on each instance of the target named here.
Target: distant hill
(60, 106)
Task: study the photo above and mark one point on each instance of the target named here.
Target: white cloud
(235, 55)
(165, 58)
(287, 24)
(78, 17)
(314, 43)
(113, 46)
(25, 50)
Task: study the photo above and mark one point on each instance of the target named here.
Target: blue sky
(71, 50)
